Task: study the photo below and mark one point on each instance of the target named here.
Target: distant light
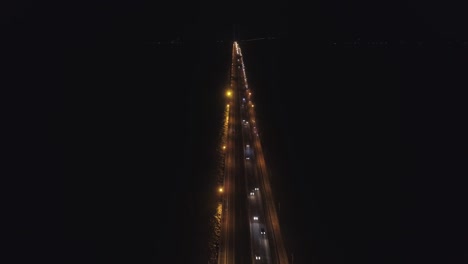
(220, 190)
(224, 147)
(229, 93)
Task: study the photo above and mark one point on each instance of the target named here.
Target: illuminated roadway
(250, 229)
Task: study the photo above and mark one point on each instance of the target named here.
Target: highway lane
(276, 238)
(226, 250)
(258, 229)
(242, 221)
(272, 220)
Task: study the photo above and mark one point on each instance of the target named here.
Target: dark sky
(115, 135)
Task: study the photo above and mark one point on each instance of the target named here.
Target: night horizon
(360, 148)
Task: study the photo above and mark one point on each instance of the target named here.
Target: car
(262, 231)
(257, 257)
(248, 152)
(255, 218)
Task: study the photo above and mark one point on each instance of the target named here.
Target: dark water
(365, 148)
(365, 145)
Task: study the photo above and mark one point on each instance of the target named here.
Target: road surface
(250, 228)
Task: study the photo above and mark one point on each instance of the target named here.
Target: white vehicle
(248, 152)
